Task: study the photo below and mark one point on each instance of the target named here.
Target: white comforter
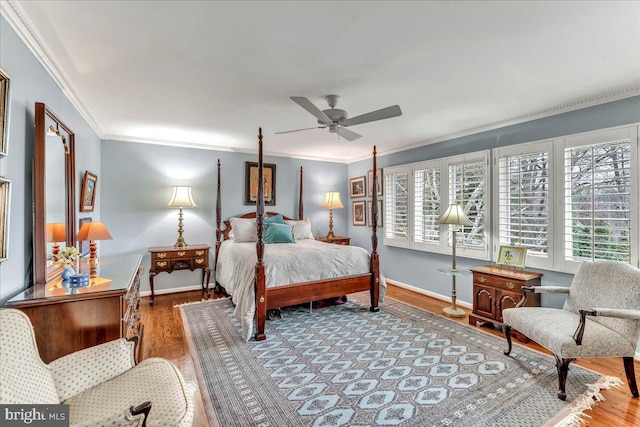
(285, 264)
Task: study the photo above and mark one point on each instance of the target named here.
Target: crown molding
(22, 25)
(540, 114)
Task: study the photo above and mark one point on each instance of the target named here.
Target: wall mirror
(54, 193)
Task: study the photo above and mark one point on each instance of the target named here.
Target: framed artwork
(88, 194)
(513, 256)
(356, 187)
(5, 101)
(251, 183)
(358, 214)
(5, 199)
(370, 213)
(378, 182)
(83, 247)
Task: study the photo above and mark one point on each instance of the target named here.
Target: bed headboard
(227, 223)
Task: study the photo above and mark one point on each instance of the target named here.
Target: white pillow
(244, 230)
(301, 229)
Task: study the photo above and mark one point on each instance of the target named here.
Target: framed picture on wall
(357, 187)
(88, 193)
(378, 182)
(5, 102)
(370, 213)
(251, 183)
(358, 214)
(5, 198)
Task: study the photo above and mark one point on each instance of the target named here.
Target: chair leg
(507, 333)
(629, 369)
(563, 368)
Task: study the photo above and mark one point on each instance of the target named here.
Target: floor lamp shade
(332, 201)
(454, 216)
(181, 198)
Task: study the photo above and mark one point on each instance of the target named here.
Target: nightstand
(169, 259)
(337, 240)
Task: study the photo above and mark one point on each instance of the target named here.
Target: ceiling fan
(337, 120)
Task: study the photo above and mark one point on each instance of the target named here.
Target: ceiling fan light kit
(337, 120)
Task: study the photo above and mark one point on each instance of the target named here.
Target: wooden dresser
(337, 240)
(169, 259)
(66, 320)
(496, 288)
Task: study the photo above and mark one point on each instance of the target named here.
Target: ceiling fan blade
(385, 113)
(310, 107)
(348, 134)
(298, 130)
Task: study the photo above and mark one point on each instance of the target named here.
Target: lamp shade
(454, 215)
(56, 232)
(332, 200)
(181, 198)
(93, 231)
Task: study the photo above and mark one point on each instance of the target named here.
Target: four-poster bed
(273, 286)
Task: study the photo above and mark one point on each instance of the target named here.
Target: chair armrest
(81, 370)
(132, 417)
(621, 313)
(540, 290)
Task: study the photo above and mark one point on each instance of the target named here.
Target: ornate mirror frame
(44, 271)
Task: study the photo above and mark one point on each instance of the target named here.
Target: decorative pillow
(244, 230)
(276, 219)
(278, 233)
(301, 229)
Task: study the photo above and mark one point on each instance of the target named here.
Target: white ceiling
(209, 73)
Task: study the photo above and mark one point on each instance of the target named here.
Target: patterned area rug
(344, 365)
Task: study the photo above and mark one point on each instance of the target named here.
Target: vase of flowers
(68, 256)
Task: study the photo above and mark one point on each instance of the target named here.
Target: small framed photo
(357, 187)
(370, 213)
(378, 182)
(83, 247)
(88, 194)
(5, 102)
(512, 256)
(358, 214)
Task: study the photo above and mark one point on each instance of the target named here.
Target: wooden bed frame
(286, 295)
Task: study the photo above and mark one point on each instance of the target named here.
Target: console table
(169, 259)
(69, 319)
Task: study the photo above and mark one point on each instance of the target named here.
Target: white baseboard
(429, 293)
(173, 290)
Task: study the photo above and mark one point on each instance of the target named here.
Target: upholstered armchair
(600, 318)
(102, 385)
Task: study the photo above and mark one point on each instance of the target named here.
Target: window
(416, 195)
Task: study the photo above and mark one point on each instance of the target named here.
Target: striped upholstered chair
(102, 385)
(600, 318)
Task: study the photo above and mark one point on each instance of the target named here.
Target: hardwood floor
(164, 337)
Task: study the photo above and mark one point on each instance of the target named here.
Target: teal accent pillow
(278, 233)
(276, 219)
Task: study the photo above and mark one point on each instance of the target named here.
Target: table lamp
(454, 216)
(181, 198)
(332, 201)
(56, 232)
(93, 231)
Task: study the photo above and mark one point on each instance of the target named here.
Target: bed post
(217, 287)
(375, 262)
(260, 282)
(300, 205)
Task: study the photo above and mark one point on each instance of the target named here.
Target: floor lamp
(454, 216)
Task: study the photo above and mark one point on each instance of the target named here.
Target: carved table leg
(153, 296)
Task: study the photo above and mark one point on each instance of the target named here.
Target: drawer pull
(481, 279)
(162, 264)
(199, 253)
(199, 261)
(510, 285)
(161, 254)
(181, 253)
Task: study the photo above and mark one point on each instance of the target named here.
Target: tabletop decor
(68, 257)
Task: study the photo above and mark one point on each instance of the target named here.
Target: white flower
(68, 256)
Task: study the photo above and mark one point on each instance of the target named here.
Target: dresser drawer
(509, 284)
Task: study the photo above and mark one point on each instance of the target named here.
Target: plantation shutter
(426, 204)
(523, 202)
(467, 188)
(396, 218)
(598, 184)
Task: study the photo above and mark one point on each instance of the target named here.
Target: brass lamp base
(180, 243)
(454, 312)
